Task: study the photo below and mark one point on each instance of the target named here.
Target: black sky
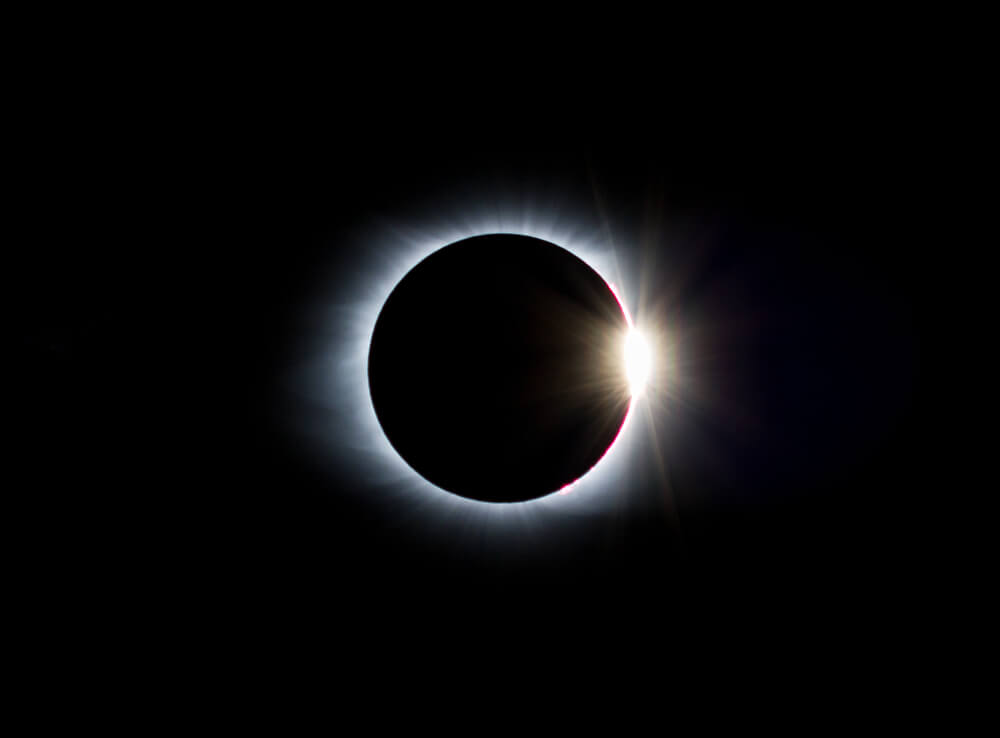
(179, 224)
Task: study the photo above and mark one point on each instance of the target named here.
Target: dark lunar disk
(496, 368)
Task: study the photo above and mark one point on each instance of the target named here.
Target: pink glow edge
(567, 488)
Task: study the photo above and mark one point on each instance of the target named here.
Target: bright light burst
(638, 361)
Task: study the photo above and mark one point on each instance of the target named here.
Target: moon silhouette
(496, 368)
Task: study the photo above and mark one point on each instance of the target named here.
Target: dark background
(177, 213)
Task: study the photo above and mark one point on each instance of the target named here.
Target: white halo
(332, 380)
